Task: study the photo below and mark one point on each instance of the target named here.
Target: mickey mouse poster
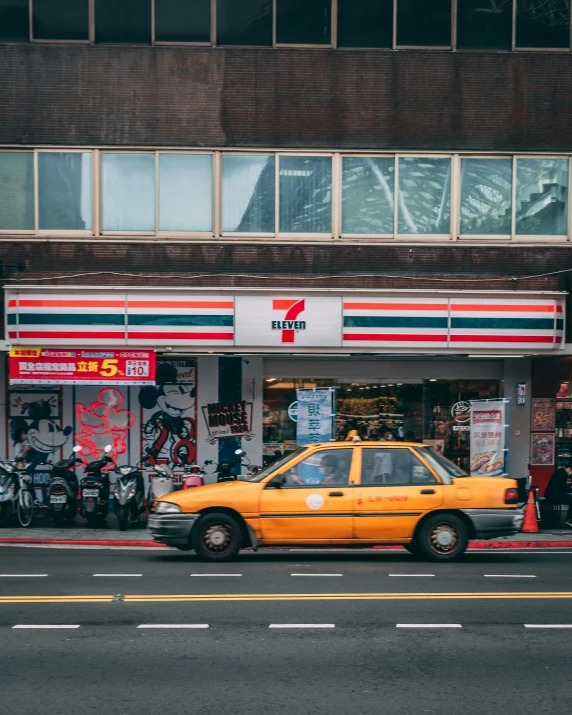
(169, 414)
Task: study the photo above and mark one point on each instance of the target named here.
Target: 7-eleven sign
(290, 324)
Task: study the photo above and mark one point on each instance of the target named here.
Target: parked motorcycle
(94, 490)
(162, 482)
(16, 494)
(223, 469)
(63, 489)
(129, 499)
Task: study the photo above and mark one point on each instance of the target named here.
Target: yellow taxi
(343, 493)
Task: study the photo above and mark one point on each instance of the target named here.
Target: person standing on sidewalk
(559, 490)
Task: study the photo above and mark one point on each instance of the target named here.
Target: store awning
(284, 321)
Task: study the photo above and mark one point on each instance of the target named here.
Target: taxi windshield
(443, 466)
(275, 465)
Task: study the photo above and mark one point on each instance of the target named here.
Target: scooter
(94, 490)
(129, 499)
(194, 477)
(162, 482)
(16, 495)
(63, 489)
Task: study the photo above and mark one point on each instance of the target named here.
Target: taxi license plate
(91, 492)
(57, 499)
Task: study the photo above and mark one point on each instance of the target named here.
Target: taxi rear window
(443, 466)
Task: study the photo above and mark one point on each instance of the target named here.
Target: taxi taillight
(511, 496)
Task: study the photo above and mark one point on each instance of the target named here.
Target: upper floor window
(183, 21)
(484, 24)
(285, 195)
(244, 23)
(365, 23)
(422, 23)
(14, 20)
(543, 23)
(303, 22)
(123, 21)
(60, 19)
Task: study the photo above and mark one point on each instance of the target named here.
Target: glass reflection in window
(64, 191)
(248, 194)
(424, 195)
(128, 192)
(484, 24)
(16, 191)
(305, 194)
(542, 197)
(185, 192)
(248, 22)
(367, 195)
(486, 196)
(543, 23)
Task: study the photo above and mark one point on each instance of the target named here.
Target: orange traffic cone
(530, 523)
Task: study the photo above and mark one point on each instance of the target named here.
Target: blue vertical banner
(316, 416)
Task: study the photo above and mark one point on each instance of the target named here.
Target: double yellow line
(218, 598)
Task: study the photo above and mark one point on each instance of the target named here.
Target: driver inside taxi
(330, 473)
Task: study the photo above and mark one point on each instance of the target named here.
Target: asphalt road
(159, 631)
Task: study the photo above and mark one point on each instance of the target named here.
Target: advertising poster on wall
(542, 449)
(228, 419)
(315, 416)
(488, 454)
(169, 415)
(82, 366)
(543, 414)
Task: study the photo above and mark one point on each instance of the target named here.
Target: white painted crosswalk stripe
(547, 625)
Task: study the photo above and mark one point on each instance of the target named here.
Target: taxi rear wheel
(443, 537)
(216, 537)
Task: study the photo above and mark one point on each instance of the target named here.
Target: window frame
(396, 446)
(64, 233)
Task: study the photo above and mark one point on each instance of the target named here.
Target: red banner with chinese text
(54, 366)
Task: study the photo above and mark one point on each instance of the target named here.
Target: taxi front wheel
(216, 537)
(443, 537)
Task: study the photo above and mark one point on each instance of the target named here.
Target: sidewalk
(138, 536)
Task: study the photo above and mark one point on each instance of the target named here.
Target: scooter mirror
(108, 448)
(77, 448)
(239, 451)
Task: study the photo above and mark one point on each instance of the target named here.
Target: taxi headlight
(167, 507)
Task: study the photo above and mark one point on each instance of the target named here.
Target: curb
(154, 544)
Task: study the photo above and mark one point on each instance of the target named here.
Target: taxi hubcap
(216, 537)
(444, 538)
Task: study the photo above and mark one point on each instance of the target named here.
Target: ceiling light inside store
(432, 379)
(271, 379)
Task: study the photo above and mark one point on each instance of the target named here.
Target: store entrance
(425, 410)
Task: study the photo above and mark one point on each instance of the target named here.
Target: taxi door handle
(427, 491)
(336, 494)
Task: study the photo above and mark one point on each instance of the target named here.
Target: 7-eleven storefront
(229, 363)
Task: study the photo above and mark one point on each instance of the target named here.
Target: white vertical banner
(316, 416)
(488, 438)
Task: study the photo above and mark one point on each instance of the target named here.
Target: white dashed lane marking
(416, 575)
(173, 625)
(508, 575)
(117, 575)
(547, 625)
(428, 625)
(23, 575)
(44, 627)
(302, 625)
(316, 574)
(216, 574)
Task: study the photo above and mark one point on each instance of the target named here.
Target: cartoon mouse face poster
(169, 414)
